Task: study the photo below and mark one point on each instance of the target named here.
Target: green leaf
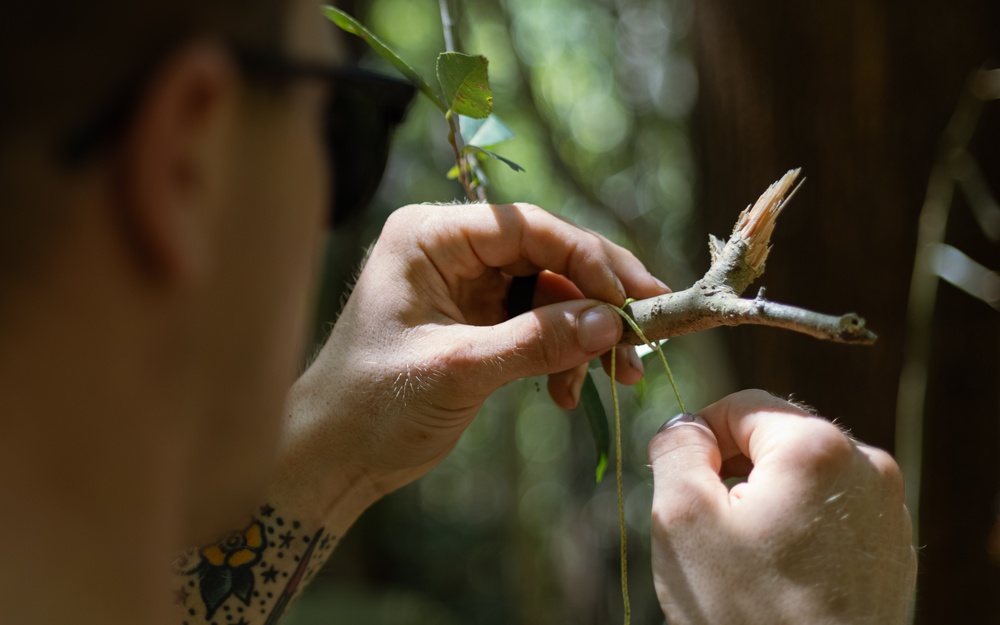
(640, 392)
(452, 173)
(484, 133)
(465, 84)
(472, 149)
(347, 23)
(598, 420)
(602, 464)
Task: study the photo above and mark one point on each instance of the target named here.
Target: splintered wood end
(756, 223)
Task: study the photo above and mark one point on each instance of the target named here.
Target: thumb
(546, 340)
(686, 461)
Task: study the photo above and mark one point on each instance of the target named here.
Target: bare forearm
(254, 573)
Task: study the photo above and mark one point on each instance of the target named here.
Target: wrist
(320, 467)
(346, 420)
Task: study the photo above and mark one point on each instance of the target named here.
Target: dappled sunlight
(510, 527)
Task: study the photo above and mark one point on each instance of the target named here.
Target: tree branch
(715, 299)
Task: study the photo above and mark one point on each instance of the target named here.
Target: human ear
(171, 170)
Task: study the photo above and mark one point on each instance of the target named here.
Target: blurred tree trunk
(858, 93)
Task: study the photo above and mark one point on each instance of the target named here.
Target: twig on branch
(715, 299)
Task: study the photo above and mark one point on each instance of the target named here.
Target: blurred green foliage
(511, 528)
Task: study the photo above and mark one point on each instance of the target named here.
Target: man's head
(178, 249)
(59, 67)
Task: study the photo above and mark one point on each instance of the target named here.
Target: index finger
(521, 237)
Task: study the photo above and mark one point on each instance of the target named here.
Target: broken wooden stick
(715, 300)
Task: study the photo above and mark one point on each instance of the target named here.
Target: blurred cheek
(260, 312)
(297, 174)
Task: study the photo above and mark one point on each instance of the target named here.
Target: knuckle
(623, 255)
(528, 213)
(594, 245)
(525, 207)
(888, 472)
(403, 213)
(766, 399)
(543, 341)
(752, 397)
(825, 449)
(757, 399)
(753, 393)
(403, 219)
(680, 508)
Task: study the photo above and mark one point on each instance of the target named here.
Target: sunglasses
(364, 109)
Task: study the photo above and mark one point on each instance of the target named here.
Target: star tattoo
(270, 575)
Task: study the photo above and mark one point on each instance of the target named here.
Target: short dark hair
(59, 60)
(60, 63)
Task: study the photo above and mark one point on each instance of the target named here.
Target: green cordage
(656, 348)
(465, 84)
(621, 488)
(347, 23)
(594, 408)
(598, 426)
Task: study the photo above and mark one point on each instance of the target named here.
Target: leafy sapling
(464, 98)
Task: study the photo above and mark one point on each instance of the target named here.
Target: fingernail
(621, 289)
(662, 284)
(684, 417)
(598, 329)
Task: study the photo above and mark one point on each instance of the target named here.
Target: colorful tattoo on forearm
(251, 576)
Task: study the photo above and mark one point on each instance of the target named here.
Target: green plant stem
(447, 25)
(454, 134)
(453, 138)
(621, 490)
